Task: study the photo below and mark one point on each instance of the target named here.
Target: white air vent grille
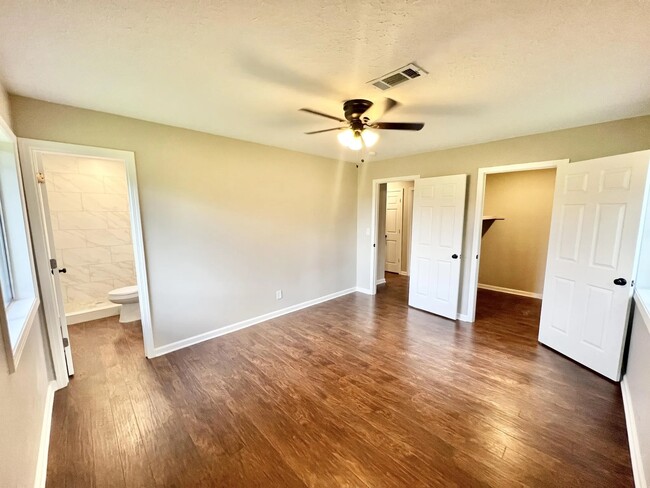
(397, 77)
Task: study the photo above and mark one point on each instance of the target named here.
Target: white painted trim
(478, 219)
(365, 291)
(381, 281)
(510, 291)
(374, 225)
(80, 316)
(175, 346)
(404, 273)
(642, 300)
(44, 444)
(633, 437)
(463, 317)
(29, 150)
(17, 318)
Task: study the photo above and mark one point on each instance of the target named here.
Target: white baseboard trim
(381, 281)
(510, 291)
(404, 273)
(463, 317)
(44, 444)
(365, 291)
(175, 346)
(92, 314)
(632, 436)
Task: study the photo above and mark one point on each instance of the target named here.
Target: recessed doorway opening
(84, 213)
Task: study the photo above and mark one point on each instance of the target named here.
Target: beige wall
(513, 251)
(5, 112)
(22, 399)
(577, 144)
(226, 223)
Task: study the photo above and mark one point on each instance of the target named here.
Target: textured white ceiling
(243, 68)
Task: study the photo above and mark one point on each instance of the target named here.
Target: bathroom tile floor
(359, 391)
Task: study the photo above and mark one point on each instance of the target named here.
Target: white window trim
(17, 318)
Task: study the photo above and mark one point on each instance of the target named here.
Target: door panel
(437, 236)
(57, 297)
(394, 199)
(595, 232)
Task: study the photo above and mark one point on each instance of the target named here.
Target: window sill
(21, 315)
(642, 300)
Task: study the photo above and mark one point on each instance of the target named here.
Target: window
(17, 276)
(5, 276)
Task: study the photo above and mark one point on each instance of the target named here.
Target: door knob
(620, 281)
(454, 256)
(63, 270)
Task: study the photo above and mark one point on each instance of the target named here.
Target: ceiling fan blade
(310, 111)
(379, 109)
(398, 125)
(325, 130)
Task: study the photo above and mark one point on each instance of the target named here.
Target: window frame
(4, 260)
(16, 318)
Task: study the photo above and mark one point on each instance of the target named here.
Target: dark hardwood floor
(359, 391)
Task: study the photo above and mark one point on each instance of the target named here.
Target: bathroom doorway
(85, 218)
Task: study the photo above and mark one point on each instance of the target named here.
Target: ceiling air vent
(397, 77)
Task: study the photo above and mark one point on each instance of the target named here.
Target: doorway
(85, 218)
(378, 230)
(514, 206)
(395, 224)
(436, 235)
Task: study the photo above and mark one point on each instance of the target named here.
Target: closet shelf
(492, 217)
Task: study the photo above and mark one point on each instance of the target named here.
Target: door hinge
(632, 284)
(66, 342)
(40, 177)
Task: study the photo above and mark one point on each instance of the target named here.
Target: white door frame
(28, 150)
(374, 224)
(478, 219)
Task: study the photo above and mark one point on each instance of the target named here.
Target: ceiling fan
(360, 118)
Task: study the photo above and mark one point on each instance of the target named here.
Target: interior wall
(637, 384)
(5, 112)
(226, 223)
(407, 215)
(23, 397)
(381, 233)
(89, 212)
(578, 144)
(513, 251)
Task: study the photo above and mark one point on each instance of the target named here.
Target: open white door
(592, 258)
(437, 239)
(54, 298)
(394, 205)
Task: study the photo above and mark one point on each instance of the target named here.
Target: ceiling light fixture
(356, 139)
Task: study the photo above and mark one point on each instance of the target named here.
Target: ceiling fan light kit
(356, 140)
(361, 117)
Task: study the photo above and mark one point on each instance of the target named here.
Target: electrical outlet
(278, 294)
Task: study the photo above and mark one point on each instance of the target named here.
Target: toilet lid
(124, 292)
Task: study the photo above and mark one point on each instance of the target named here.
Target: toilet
(128, 298)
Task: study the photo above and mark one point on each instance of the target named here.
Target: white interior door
(56, 297)
(437, 239)
(394, 206)
(592, 258)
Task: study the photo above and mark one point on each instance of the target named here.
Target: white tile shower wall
(88, 202)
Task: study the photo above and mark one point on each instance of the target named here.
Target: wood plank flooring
(359, 391)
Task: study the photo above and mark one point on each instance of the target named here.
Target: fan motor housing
(355, 108)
